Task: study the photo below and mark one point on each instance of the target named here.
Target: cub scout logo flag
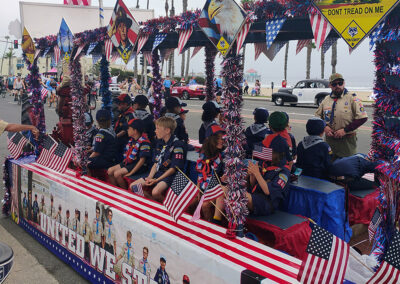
(354, 20)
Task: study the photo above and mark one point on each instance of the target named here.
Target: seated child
(314, 156)
(174, 106)
(294, 148)
(211, 111)
(169, 154)
(136, 158)
(268, 186)
(91, 130)
(183, 113)
(211, 161)
(139, 105)
(257, 132)
(104, 147)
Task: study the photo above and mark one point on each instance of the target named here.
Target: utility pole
(148, 4)
(4, 54)
(101, 13)
(137, 4)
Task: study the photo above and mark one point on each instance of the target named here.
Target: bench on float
(281, 230)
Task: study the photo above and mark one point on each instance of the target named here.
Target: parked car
(304, 92)
(186, 92)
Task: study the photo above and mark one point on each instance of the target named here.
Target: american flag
(78, 2)
(259, 47)
(159, 39)
(374, 224)
(148, 56)
(214, 189)
(166, 53)
(79, 50)
(389, 271)
(320, 28)
(195, 143)
(108, 47)
(326, 260)
(196, 50)
(16, 143)
(141, 42)
(262, 153)
(328, 43)
(375, 35)
(57, 53)
(91, 47)
(44, 93)
(301, 44)
(184, 36)
(274, 49)
(49, 145)
(95, 58)
(242, 36)
(46, 51)
(272, 28)
(114, 57)
(179, 195)
(138, 189)
(60, 158)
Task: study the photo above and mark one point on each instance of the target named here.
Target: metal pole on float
(101, 13)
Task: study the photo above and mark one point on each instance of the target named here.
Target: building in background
(251, 76)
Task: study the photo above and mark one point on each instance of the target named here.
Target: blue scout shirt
(161, 276)
(354, 166)
(148, 121)
(135, 150)
(314, 157)
(203, 129)
(169, 155)
(255, 134)
(180, 130)
(104, 143)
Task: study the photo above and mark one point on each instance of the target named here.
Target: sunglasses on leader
(334, 84)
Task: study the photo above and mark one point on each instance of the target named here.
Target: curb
(268, 99)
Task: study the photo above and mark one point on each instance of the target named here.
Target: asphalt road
(62, 273)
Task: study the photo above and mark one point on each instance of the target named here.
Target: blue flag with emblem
(158, 40)
(375, 35)
(272, 28)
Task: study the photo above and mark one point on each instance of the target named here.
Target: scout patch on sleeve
(283, 179)
(178, 150)
(99, 137)
(145, 148)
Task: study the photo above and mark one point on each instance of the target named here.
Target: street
(10, 111)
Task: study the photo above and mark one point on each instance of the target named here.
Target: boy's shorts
(261, 206)
(167, 180)
(99, 163)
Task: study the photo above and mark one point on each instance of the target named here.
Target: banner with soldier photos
(108, 234)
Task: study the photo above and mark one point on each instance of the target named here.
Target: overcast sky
(357, 68)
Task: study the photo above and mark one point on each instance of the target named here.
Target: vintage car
(185, 92)
(311, 91)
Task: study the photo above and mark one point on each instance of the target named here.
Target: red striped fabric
(57, 54)
(78, 2)
(148, 56)
(108, 48)
(245, 253)
(320, 28)
(80, 48)
(184, 36)
(44, 93)
(141, 42)
(196, 50)
(60, 158)
(195, 143)
(301, 44)
(242, 36)
(16, 145)
(259, 48)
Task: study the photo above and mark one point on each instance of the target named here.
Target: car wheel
(319, 101)
(202, 98)
(185, 95)
(279, 101)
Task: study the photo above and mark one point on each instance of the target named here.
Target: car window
(319, 85)
(301, 84)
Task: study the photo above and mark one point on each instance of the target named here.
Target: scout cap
(278, 121)
(335, 76)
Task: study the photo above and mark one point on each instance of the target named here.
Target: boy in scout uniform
(109, 233)
(52, 210)
(42, 207)
(35, 210)
(25, 205)
(144, 265)
(343, 113)
(97, 228)
(86, 232)
(76, 223)
(121, 124)
(126, 255)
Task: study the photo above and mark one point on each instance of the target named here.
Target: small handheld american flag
(262, 153)
(44, 93)
(138, 189)
(16, 143)
(374, 224)
(214, 189)
(49, 145)
(60, 158)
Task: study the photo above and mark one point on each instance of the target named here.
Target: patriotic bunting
(184, 36)
(242, 36)
(108, 48)
(141, 42)
(320, 28)
(301, 44)
(274, 49)
(259, 47)
(328, 43)
(91, 47)
(79, 50)
(166, 53)
(158, 40)
(196, 50)
(78, 2)
(147, 55)
(374, 36)
(272, 28)
(57, 54)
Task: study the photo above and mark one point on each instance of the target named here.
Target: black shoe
(216, 222)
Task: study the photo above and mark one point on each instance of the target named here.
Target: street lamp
(4, 54)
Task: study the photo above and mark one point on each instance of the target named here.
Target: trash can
(6, 261)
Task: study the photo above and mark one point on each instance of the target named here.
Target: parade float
(141, 241)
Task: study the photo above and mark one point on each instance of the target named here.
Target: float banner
(110, 235)
(355, 20)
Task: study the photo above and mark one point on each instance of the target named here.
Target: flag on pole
(272, 28)
(328, 43)
(159, 39)
(141, 42)
(375, 35)
(43, 92)
(60, 158)
(57, 54)
(242, 36)
(179, 195)
(262, 153)
(259, 47)
(301, 44)
(108, 48)
(184, 36)
(374, 224)
(389, 271)
(320, 28)
(148, 56)
(138, 189)
(326, 260)
(16, 143)
(91, 47)
(196, 50)
(49, 145)
(214, 189)
(78, 2)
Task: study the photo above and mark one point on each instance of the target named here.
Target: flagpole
(201, 192)
(101, 13)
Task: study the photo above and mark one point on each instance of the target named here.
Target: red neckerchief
(141, 139)
(206, 168)
(128, 110)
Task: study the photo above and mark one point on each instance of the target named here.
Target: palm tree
(286, 61)
(322, 64)
(308, 63)
(137, 4)
(172, 56)
(183, 73)
(9, 55)
(334, 57)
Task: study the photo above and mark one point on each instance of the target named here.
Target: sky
(357, 68)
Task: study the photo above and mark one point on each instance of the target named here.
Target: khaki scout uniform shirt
(109, 232)
(76, 226)
(97, 229)
(348, 108)
(3, 126)
(86, 230)
(124, 255)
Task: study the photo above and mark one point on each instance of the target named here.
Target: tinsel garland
(210, 52)
(7, 184)
(156, 83)
(90, 36)
(235, 169)
(104, 91)
(80, 157)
